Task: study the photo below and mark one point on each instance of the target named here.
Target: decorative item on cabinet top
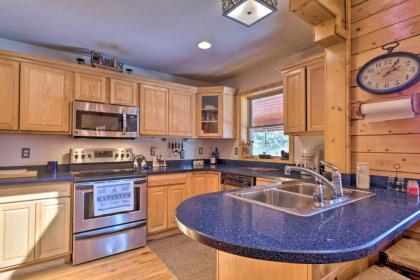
(105, 61)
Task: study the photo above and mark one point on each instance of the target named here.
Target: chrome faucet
(320, 181)
(335, 179)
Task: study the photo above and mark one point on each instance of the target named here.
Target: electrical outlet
(152, 151)
(26, 153)
(236, 151)
(200, 151)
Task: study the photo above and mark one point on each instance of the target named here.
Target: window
(266, 131)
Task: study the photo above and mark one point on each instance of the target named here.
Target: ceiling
(158, 35)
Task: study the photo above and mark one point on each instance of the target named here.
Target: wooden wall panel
(385, 18)
(369, 8)
(399, 31)
(384, 144)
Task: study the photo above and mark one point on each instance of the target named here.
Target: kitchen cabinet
(90, 88)
(294, 101)
(315, 96)
(17, 227)
(45, 96)
(9, 94)
(157, 209)
(53, 227)
(198, 184)
(216, 112)
(176, 195)
(153, 110)
(166, 192)
(123, 92)
(212, 182)
(34, 223)
(304, 97)
(181, 105)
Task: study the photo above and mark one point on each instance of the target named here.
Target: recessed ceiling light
(204, 45)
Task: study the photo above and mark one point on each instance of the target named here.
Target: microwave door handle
(124, 123)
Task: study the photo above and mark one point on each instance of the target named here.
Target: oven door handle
(108, 231)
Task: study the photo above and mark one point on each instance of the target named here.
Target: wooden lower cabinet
(166, 192)
(157, 209)
(198, 184)
(53, 227)
(17, 233)
(212, 182)
(34, 225)
(176, 195)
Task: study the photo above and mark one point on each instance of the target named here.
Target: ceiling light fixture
(248, 12)
(204, 45)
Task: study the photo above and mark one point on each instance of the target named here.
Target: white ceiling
(159, 35)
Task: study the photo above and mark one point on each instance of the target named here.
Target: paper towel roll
(388, 110)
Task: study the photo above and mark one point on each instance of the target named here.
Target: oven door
(84, 218)
(101, 120)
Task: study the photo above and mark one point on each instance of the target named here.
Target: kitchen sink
(297, 198)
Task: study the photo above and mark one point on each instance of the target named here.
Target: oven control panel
(100, 155)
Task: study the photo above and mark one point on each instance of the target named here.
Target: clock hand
(391, 69)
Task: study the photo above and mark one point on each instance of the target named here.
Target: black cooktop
(107, 174)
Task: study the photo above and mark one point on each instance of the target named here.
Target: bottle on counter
(213, 160)
(413, 188)
(391, 183)
(216, 152)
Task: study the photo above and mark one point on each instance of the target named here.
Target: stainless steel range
(109, 203)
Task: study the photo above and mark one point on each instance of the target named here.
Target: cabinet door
(9, 94)
(123, 93)
(44, 98)
(176, 195)
(17, 233)
(212, 182)
(157, 209)
(89, 88)
(295, 101)
(210, 115)
(153, 110)
(198, 184)
(52, 227)
(180, 112)
(315, 97)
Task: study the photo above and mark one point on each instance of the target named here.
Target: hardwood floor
(134, 265)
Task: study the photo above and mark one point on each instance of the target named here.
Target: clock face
(389, 73)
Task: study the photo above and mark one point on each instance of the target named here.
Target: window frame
(245, 121)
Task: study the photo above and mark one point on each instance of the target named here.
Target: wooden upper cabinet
(216, 112)
(9, 94)
(123, 93)
(45, 96)
(294, 101)
(17, 227)
(153, 110)
(315, 87)
(181, 113)
(53, 227)
(90, 88)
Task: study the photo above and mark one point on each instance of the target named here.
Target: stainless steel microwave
(104, 121)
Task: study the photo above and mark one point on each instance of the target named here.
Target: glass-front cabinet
(215, 112)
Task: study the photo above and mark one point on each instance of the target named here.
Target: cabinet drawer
(170, 179)
(34, 192)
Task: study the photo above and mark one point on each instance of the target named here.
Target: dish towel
(113, 197)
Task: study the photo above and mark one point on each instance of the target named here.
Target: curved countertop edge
(303, 257)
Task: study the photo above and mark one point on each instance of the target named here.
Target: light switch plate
(200, 151)
(236, 151)
(26, 153)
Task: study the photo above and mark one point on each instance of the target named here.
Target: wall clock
(390, 72)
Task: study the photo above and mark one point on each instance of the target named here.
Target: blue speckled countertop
(346, 233)
(45, 177)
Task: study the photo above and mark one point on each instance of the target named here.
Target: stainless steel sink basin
(296, 198)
